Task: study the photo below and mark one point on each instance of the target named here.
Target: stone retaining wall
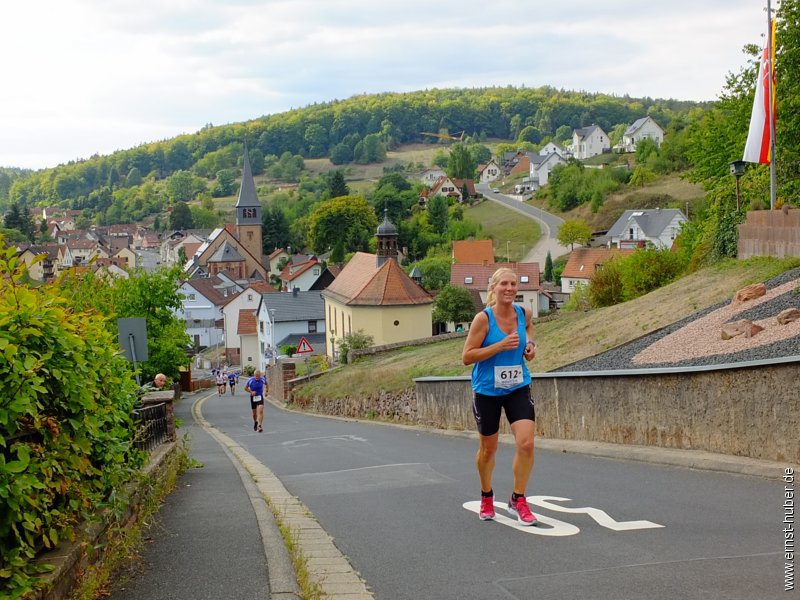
(738, 410)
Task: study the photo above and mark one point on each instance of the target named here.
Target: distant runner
(257, 387)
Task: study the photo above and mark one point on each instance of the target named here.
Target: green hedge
(65, 426)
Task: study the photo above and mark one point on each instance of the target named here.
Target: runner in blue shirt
(257, 388)
(498, 344)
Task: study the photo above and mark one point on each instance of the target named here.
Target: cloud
(93, 76)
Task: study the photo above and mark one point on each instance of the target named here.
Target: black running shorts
(486, 409)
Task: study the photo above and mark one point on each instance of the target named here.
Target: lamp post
(508, 258)
(737, 170)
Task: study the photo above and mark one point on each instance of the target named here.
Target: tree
(573, 232)
(275, 229)
(437, 213)
(605, 286)
(181, 216)
(18, 218)
(347, 218)
(453, 305)
(336, 184)
(460, 164)
(642, 175)
(226, 183)
(180, 186)
(548, 267)
(435, 272)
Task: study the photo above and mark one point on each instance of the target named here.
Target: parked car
(495, 190)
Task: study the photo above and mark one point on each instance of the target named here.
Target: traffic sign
(304, 347)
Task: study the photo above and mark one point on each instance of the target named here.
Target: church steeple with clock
(248, 212)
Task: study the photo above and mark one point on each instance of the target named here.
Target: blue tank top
(483, 372)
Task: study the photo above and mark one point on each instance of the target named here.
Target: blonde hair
(490, 299)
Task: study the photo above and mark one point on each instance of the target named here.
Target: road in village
(549, 224)
(399, 502)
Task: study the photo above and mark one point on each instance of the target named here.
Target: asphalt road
(549, 223)
(398, 503)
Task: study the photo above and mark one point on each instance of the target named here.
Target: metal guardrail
(151, 426)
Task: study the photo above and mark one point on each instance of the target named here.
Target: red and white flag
(757, 147)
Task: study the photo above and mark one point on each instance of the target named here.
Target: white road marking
(600, 516)
(307, 441)
(556, 527)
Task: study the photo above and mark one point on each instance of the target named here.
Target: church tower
(248, 212)
(386, 237)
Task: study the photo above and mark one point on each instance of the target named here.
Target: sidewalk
(206, 542)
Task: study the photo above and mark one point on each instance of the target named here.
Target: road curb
(273, 503)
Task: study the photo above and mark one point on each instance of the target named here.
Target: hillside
(571, 337)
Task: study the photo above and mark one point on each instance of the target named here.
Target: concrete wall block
(744, 411)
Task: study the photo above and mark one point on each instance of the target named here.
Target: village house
(583, 263)
(286, 319)
(644, 128)
(374, 295)
(238, 314)
(638, 228)
(589, 141)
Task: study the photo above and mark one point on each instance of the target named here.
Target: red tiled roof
(361, 282)
(583, 262)
(474, 252)
(247, 322)
(480, 274)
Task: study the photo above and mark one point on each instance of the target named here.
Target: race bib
(507, 377)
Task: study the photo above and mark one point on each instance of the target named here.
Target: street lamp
(737, 170)
(508, 258)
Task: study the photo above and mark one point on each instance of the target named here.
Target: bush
(605, 286)
(358, 340)
(647, 270)
(288, 350)
(578, 299)
(65, 421)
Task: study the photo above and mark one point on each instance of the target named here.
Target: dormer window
(523, 279)
(467, 279)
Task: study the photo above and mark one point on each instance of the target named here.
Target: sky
(85, 77)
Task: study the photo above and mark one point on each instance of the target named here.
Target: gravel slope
(695, 340)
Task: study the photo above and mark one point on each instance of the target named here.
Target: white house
(589, 141)
(283, 319)
(553, 148)
(489, 172)
(540, 172)
(201, 309)
(644, 128)
(637, 228)
(430, 176)
(237, 323)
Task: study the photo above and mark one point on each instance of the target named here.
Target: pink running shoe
(523, 512)
(487, 508)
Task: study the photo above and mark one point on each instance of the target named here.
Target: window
(316, 271)
(467, 279)
(249, 297)
(312, 327)
(191, 297)
(523, 279)
(518, 298)
(248, 213)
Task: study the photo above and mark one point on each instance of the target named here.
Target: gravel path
(696, 340)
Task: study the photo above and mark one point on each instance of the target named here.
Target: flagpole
(771, 116)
